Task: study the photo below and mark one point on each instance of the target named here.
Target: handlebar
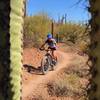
(44, 49)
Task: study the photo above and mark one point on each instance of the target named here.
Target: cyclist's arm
(55, 42)
(43, 44)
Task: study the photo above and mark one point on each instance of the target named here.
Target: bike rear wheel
(45, 63)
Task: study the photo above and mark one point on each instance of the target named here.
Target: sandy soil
(34, 83)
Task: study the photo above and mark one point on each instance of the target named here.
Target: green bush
(36, 28)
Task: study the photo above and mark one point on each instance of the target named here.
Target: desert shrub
(79, 67)
(73, 32)
(67, 86)
(56, 90)
(37, 97)
(36, 28)
(76, 33)
(81, 71)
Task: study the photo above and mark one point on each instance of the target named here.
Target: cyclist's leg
(53, 50)
(53, 54)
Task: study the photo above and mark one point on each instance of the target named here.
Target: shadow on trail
(32, 69)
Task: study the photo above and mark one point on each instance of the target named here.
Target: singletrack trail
(33, 81)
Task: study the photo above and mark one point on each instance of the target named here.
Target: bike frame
(48, 52)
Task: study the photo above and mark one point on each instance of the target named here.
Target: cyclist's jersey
(51, 43)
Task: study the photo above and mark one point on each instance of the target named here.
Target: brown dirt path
(33, 82)
(64, 59)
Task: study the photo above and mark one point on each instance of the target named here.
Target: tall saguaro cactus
(16, 29)
(94, 9)
(11, 28)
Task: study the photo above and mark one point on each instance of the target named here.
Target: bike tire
(54, 64)
(45, 65)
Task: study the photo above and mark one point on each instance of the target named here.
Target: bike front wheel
(45, 63)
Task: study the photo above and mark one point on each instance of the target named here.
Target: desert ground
(69, 81)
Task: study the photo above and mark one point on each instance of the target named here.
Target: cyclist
(51, 45)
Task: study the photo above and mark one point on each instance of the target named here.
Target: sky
(57, 8)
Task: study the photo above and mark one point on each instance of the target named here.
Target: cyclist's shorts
(52, 48)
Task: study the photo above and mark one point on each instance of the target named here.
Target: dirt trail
(32, 86)
(35, 84)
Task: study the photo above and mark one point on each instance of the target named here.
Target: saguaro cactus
(94, 9)
(11, 28)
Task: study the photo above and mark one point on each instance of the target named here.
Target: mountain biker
(51, 45)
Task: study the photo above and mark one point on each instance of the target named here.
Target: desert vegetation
(36, 28)
(72, 81)
(12, 90)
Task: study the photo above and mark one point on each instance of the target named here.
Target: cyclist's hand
(41, 49)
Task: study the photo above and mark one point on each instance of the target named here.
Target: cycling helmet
(49, 36)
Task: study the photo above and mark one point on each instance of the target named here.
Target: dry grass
(36, 97)
(79, 66)
(80, 71)
(68, 85)
(71, 81)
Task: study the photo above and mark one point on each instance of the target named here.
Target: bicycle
(47, 61)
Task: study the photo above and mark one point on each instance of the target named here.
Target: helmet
(49, 36)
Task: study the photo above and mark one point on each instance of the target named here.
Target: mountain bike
(48, 62)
